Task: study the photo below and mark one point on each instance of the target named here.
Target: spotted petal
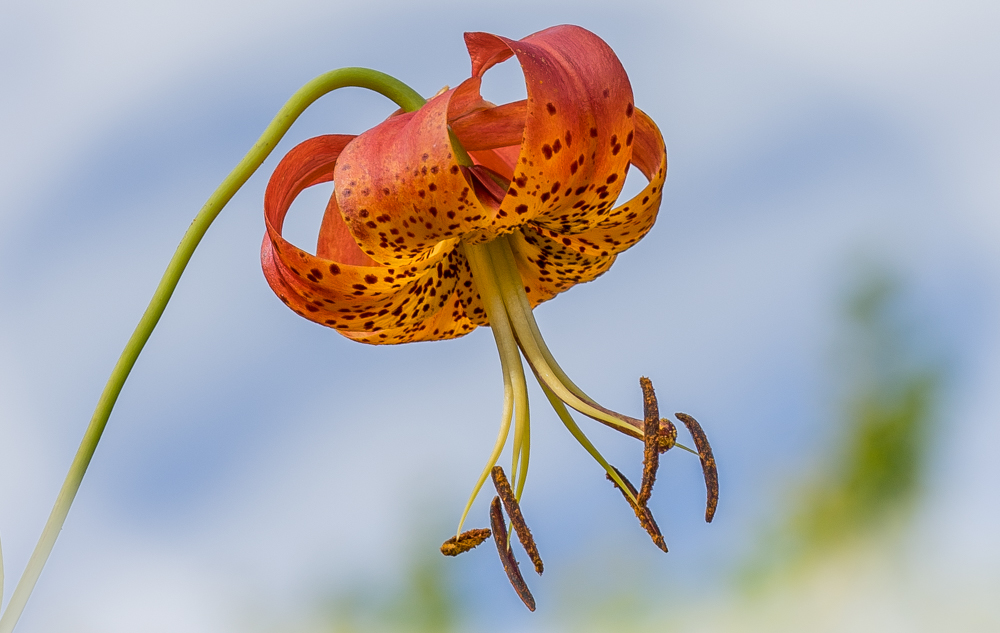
(401, 189)
(578, 125)
(374, 303)
(628, 223)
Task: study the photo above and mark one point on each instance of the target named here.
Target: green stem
(399, 92)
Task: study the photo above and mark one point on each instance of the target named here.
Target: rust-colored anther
(507, 555)
(513, 509)
(464, 541)
(650, 440)
(707, 463)
(644, 514)
(667, 436)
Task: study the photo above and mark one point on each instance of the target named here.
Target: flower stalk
(403, 95)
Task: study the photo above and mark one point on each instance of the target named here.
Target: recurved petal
(460, 313)
(351, 298)
(447, 323)
(548, 266)
(578, 115)
(401, 189)
(627, 224)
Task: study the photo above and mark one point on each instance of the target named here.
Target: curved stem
(399, 92)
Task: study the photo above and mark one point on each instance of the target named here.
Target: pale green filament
(515, 387)
(399, 92)
(541, 360)
(522, 476)
(584, 441)
(512, 289)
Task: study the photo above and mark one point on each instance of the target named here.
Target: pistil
(515, 387)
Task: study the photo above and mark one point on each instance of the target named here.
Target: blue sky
(239, 469)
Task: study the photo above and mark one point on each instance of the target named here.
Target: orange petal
(578, 118)
(627, 224)
(349, 297)
(335, 240)
(461, 312)
(548, 266)
(490, 128)
(401, 189)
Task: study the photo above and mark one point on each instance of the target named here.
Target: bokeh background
(821, 291)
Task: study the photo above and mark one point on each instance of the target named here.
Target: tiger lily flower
(464, 214)
(448, 216)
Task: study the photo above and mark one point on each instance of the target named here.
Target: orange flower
(389, 266)
(464, 214)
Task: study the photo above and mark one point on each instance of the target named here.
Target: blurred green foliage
(869, 476)
(892, 390)
(425, 602)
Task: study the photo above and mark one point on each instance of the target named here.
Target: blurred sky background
(261, 473)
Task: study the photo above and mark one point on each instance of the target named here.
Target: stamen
(517, 519)
(525, 452)
(644, 514)
(464, 542)
(522, 435)
(651, 441)
(507, 555)
(667, 436)
(537, 353)
(515, 402)
(707, 463)
(579, 436)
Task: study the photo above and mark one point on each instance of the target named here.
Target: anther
(465, 541)
(650, 440)
(507, 555)
(513, 509)
(707, 463)
(642, 513)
